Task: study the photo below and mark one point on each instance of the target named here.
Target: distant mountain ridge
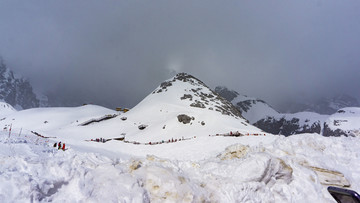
(263, 116)
(16, 91)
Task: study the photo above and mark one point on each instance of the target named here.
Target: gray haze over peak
(115, 53)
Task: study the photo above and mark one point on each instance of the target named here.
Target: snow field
(281, 171)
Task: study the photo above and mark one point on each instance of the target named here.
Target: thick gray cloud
(115, 53)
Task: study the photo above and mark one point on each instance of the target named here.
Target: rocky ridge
(263, 116)
(16, 91)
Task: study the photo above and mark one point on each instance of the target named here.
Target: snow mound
(49, 119)
(292, 169)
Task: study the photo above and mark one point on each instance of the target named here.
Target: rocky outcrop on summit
(16, 91)
(200, 95)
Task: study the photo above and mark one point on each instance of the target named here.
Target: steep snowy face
(251, 108)
(15, 90)
(344, 122)
(192, 92)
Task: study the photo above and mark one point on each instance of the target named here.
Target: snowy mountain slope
(345, 121)
(6, 109)
(53, 119)
(263, 116)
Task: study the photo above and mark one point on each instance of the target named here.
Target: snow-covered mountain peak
(187, 90)
(183, 106)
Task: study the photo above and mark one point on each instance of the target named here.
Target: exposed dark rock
(142, 126)
(187, 96)
(197, 104)
(185, 119)
(339, 122)
(286, 127)
(270, 125)
(165, 85)
(327, 132)
(245, 106)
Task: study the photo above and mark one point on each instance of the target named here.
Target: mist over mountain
(324, 105)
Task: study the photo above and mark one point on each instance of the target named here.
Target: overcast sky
(115, 53)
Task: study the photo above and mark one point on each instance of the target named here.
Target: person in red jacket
(63, 147)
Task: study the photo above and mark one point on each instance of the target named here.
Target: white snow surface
(245, 171)
(6, 109)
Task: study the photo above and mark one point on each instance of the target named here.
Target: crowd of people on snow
(103, 140)
(161, 142)
(238, 134)
(231, 134)
(60, 146)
